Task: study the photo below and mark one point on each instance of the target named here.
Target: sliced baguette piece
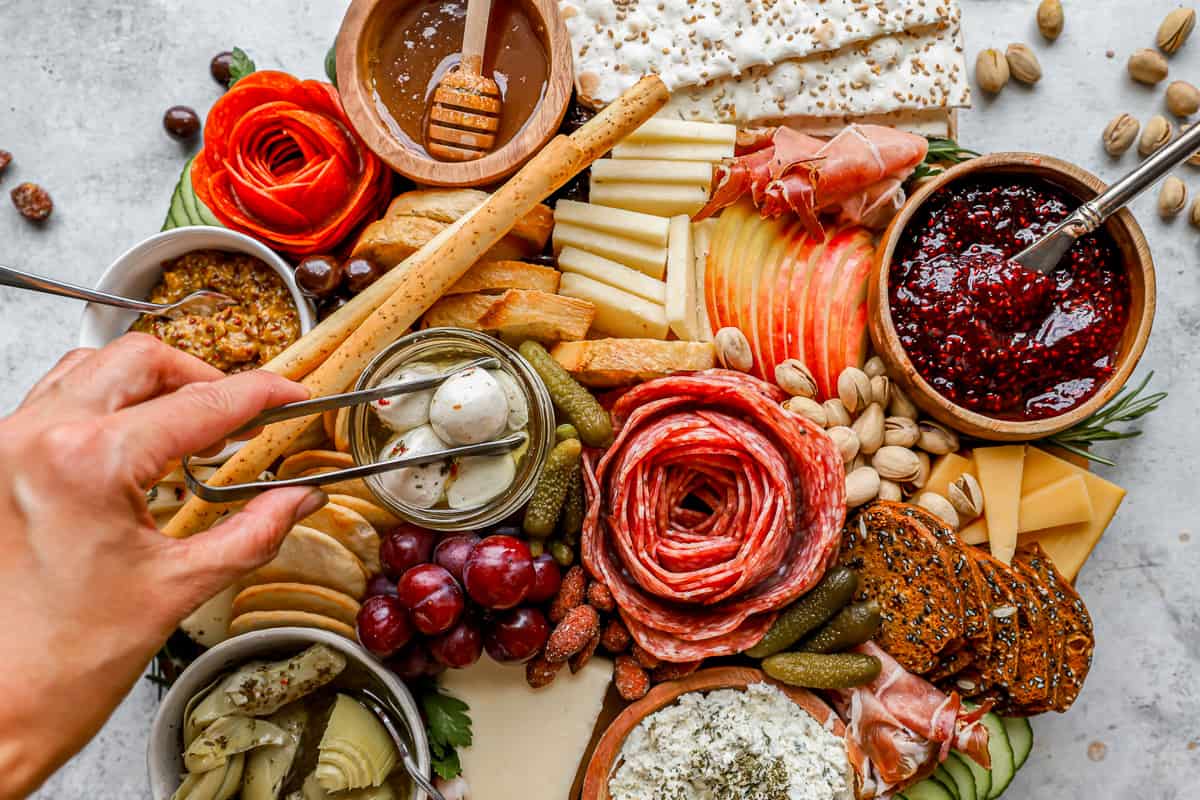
(666, 129)
(618, 313)
(618, 222)
(663, 199)
(647, 258)
(460, 311)
(681, 281)
(519, 313)
(390, 240)
(447, 205)
(605, 363)
(632, 170)
(495, 276)
(702, 235)
(598, 268)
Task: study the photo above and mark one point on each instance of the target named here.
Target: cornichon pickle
(821, 671)
(536, 547)
(564, 432)
(572, 400)
(561, 552)
(570, 522)
(854, 624)
(551, 490)
(804, 615)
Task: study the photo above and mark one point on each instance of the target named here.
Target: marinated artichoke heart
(191, 726)
(268, 767)
(312, 790)
(356, 750)
(227, 737)
(221, 783)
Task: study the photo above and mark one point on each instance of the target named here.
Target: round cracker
(372, 512)
(309, 556)
(296, 465)
(355, 487)
(351, 529)
(261, 620)
(296, 597)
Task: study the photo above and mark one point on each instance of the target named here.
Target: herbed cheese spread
(731, 744)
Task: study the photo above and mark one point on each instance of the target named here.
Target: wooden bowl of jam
(392, 53)
(986, 346)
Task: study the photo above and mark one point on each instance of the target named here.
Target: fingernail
(313, 502)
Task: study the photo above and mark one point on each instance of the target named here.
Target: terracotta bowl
(608, 749)
(1134, 251)
(360, 30)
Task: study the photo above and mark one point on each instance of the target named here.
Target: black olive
(219, 67)
(319, 275)
(328, 305)
(181, 122)
(575, 116)
(361, 273)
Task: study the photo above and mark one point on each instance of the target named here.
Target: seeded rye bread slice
(1032, 683)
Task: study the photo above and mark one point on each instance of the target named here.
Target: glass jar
(368, 434)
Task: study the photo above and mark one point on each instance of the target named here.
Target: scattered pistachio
(1175, 29)
(836, 412)
(1120, 134)
(881, 389)
(859, 461)
(1183, 99)
(1194, 216)
(846, 441)
(896, 463)
(936, 439)
(1172, 197)
(1023, 63)
(1148, 66)
(900, 431)
(924, 467)
(1050, 18)
(900, 406)
(991, 70)
(966, 495)
(1155, 135)
(808, 408)
(869, 427)
(854, 389)
(862, 486)
(874, 367)
(890, 490)
(733, 349)
(940, 507)
(795, 378)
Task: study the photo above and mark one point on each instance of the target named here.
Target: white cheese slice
(681, 281)
(509, 721)
(208, 625)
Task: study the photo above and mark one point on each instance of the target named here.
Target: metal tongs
(245, 491)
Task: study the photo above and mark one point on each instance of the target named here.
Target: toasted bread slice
(497, 276)
(294, 465)
(605, 363)
(518, 313)
(447, 205)
(261, 620)
(296, 597)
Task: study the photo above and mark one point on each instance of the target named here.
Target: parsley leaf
(240, 66)
(448, 725)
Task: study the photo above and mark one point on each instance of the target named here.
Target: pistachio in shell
(890, 490)
(1157, 133)
(1194, 216)
(1183, 99)
(874, 367)
(862, 486)
(795, 378)
(966, 495)
(1172, 197)
(869, 428)
(940, 507)
(881, 390)
(835, 411)
(1050, 19)
(900, 431)
(854, 389)
(936, 439)
(991, 70)
(896, 463)
(1120, 134)
(808, 408)
(733, 349)
(1023, 63)
(899, 405)
(1148, 66)
(846, 441)
(1175, 29)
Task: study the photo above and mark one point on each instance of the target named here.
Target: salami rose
(713, 509)
(282, 164)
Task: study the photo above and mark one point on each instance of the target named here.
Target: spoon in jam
(202, 303)
(465, 114)
(1044, 254)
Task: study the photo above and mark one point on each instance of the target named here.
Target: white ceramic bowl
(139, 268)
(164, 752)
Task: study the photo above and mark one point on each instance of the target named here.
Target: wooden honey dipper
(465, 113)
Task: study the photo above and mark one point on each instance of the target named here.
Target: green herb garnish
(240, 65)
(942, 153)
(331, 64)
(448, 725)
(1123, 409)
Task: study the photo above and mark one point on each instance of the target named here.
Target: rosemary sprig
(942, 152)
(1128, 406)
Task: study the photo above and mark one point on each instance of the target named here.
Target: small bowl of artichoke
(278, 714)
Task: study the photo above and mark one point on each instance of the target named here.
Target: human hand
(91, 588)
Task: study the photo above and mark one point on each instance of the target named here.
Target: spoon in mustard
(201, 303)
(1044, 254)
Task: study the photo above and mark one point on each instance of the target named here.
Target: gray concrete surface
(85, 85)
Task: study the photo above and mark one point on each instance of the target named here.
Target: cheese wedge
(606, 363)
(632, 170)
(598, 268)
(681, 281)
(508, 718)
(648, 258)
(618, 313)
(702, 234)
(616, 221)
(999, 471)
(1064, 502)
(946, 470)
(663, 199)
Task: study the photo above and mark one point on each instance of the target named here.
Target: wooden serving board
(608, 749)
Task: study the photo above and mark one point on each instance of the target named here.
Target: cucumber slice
(206, 215)
(1020, 738)
(981, 775)
(178, 215)
(1001, 753)
(964, 782)
(189, 197)
(941, 776)
(927, 789)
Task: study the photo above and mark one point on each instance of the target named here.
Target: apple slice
(747, 219)
(805, 258)
(716, 275)
(825, 283)
(777, 318)
(848, 298)
(762, 257)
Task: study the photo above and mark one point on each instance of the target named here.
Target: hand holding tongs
(306, 408)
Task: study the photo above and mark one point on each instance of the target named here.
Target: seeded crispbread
(902, 568)
(1032, 682)
(1000, 668)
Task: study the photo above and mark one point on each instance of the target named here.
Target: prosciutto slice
(857, 175)
(713, 509)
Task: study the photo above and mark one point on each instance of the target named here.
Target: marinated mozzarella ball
(478, 479)
(470, 407)
(422, 486)
(518, 409)
(403, 412)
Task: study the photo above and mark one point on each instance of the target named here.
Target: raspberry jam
(985, 332)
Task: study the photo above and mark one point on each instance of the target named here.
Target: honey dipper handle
(475, 35)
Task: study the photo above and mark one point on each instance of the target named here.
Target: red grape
(405, 547)
(383, 625)
(432, 597)
(451, 552)
(458, 647)
(380, 584)
(547, 578)
(517, 635)
(499, 572)
(413, 661)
